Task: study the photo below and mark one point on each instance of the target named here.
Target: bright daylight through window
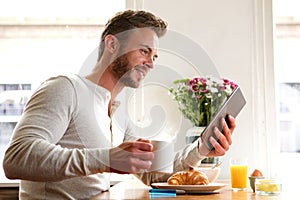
(287, 46)
(39, 39)
(286, 61)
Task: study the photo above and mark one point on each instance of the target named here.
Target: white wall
(237, 36)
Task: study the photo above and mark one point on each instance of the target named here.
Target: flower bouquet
(200, 98)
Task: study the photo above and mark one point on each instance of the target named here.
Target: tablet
(232, 106)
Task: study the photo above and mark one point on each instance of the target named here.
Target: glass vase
(192, 135)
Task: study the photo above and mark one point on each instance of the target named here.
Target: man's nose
(150, 62)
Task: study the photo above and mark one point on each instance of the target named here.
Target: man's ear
(111, 43)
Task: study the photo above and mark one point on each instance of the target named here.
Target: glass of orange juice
(238, 173)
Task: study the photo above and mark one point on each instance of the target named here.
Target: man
(66, 140)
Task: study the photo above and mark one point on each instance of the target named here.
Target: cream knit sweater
(60, 147)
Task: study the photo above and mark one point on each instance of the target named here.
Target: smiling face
(136, 58)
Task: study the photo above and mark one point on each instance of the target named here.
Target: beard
(123, 71)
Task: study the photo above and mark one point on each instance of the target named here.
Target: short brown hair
(130, 19)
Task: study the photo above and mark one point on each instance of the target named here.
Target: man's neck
(106, 79)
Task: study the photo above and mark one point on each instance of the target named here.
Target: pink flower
(193, 81)
(202, 81)
(233, 85)
(204, 91)
(195, 88)
(226, 81)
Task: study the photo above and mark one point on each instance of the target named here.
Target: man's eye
(154, 58)
(144, 51)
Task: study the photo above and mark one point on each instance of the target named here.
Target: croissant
(190, 177)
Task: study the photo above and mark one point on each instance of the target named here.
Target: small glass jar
(268, 187)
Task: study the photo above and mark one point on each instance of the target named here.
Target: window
(286, 62)
(287, 46)
(40, 39)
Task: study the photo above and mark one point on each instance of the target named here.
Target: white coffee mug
(163, 156)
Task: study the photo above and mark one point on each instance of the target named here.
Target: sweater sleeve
(33, 153)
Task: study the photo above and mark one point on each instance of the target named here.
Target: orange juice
(238, 175)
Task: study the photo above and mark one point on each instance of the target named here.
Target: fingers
(142, 155)
(138, 165)
(224, 138)
(142, 146)
(220, 146)
(231, 123)
(143, 140)
(218, 149)
(131, 157)
(226, 132)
